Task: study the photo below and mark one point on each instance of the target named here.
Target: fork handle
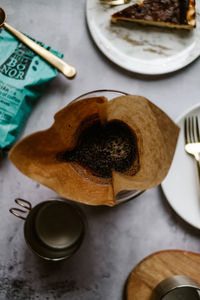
(198, 168)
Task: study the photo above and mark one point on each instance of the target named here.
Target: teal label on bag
(18, 63)
(9, 101)
(23, 77)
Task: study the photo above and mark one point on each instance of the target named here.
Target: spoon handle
(59, 64)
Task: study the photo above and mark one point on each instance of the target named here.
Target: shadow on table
(88, 270)
(57, 280)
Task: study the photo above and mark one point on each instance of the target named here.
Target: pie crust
(162, 13)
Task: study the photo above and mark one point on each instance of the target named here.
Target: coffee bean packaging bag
(23, 78)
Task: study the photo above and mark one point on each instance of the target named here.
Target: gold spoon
(59, 64)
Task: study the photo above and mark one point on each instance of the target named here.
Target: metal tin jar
(177, 288)
(53, 229)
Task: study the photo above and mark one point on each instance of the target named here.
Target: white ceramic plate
(145, 50)
(181, 186)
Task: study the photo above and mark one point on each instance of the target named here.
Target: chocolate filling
(173, 11)
(103, 148)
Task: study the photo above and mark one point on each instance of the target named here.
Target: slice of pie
(164, 13)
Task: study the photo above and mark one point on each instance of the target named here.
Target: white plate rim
(117, 61)
(177, 120)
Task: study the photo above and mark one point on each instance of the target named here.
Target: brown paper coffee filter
(156, 134)
(37, 155)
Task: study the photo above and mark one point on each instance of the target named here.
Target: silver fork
(114, 2)
(192, 139)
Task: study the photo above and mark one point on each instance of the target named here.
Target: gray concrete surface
(117, 238)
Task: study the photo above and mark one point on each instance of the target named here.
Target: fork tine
(192, 139)
(190, 130)
(197, 128)
(189, 135)
(193, 130)
(186, 130)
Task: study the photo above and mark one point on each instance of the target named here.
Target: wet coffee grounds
(103, 148)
